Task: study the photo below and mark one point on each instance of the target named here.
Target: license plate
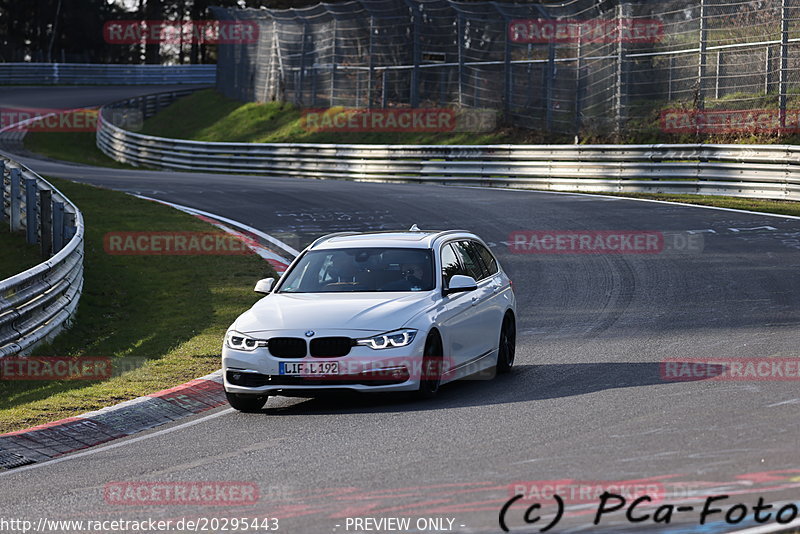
(308, 368)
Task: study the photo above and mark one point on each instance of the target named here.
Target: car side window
(470, 260)
(450, 264)
(486, 256)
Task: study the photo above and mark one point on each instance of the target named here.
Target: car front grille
(331, 347)
(287, 347)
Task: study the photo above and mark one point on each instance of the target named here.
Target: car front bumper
(364, 369)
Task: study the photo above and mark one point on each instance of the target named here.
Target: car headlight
(237, 340)
(389, 340)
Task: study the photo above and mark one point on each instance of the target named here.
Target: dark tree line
(72, 30)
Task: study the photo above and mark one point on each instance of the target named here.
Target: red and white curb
(47, 441)
(43, 442)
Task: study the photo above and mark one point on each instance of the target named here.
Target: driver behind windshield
(411, 278)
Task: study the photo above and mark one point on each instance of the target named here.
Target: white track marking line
(117, 445)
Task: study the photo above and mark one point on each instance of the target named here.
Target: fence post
(371, 62)
(507, 72)
(417, 51)
(784, 74)
(701, 60)
(30, 211)
(385, 89)
(46, 221)
(767, 61)
(669, 82)
(333, 67)
(314, 86)
(579, 85)
(298, 93)
(460, 60)
(550, 81)
(14, 206)
(716, 77)
(619, 99)
(58, 226)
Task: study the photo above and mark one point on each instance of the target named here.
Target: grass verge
(17, 255)
(210, 116)
(162, 317)
(782, 207)
(77, 147)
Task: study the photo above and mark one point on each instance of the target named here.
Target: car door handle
(474, 300)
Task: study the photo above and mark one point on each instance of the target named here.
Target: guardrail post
(30, 211)
(58, 226)
(46, 221)
(14, 206)
(70, 229)
(784, 73)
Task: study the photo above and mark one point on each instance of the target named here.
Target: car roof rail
(447, 232)
(329, 236)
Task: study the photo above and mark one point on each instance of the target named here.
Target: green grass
(164, 314)
(766, 206)
(209, 116)
(77, 147)
(17, 255)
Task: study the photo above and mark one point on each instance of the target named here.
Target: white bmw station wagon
(374, 312)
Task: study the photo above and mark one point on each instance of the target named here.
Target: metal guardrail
(37, 304)
(753, 171)
(97, 74)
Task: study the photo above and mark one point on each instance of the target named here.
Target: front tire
(246, 403)
(431, 378)
(508, 345)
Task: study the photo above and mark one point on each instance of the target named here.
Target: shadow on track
(525, 383)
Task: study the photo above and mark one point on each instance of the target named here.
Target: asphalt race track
(586, 402)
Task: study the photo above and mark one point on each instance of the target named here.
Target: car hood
(377, 312)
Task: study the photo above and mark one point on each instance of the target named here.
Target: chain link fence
(580, 67)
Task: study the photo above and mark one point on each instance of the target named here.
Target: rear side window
(450, 264)
(470, 260)
(488, 260)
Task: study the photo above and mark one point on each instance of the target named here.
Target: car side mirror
(264, 286)
(460, 283)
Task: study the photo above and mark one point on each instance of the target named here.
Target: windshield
(361, 269)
